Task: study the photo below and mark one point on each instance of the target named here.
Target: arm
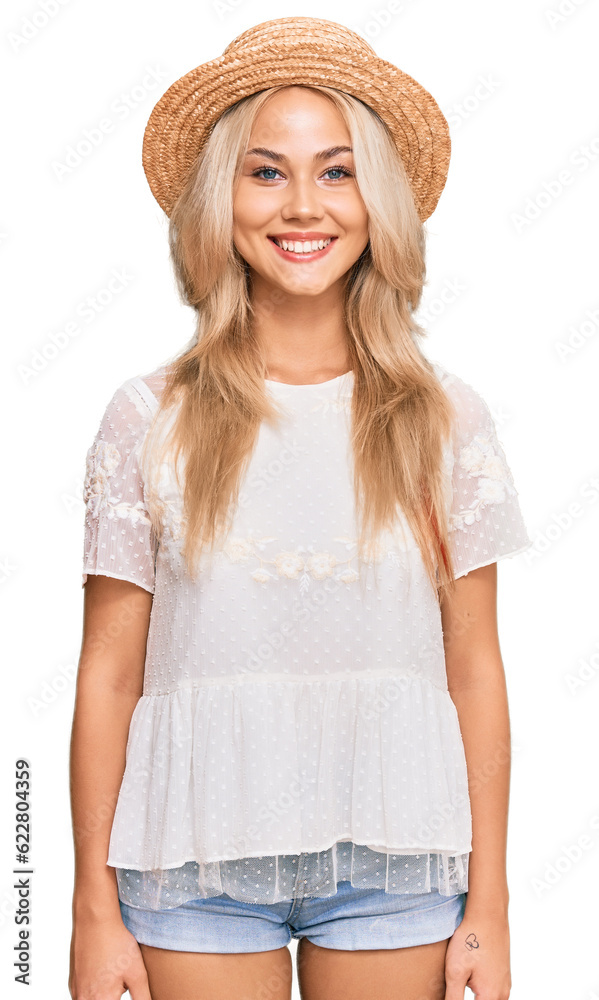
(109, 684)
(476, 682)
(478, 954)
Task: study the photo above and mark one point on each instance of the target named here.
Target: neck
(303, 336)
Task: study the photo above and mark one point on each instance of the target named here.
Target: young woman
(291, 714)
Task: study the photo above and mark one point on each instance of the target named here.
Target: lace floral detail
(102, 461)
(307, 563)
(166, 513)
(303, 564)
(483, 459)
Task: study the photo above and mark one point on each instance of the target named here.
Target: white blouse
(295, 727)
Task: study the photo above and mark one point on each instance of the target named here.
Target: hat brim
(180, 122)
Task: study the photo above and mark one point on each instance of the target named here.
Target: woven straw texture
(294, 50)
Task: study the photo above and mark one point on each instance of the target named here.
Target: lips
(304, 256)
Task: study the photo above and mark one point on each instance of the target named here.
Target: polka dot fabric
(118, 538)
(295, 727)
(485, 519)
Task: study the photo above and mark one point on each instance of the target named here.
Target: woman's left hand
(478, 956)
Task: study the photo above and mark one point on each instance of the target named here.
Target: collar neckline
(310, 385)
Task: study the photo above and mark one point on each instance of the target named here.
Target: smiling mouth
(300, 248)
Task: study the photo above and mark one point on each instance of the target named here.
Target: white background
(519, 88)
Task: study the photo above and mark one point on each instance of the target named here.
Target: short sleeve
(485, 519)
(119, 540)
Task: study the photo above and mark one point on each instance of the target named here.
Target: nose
(302, 199)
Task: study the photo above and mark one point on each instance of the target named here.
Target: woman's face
(296, 185)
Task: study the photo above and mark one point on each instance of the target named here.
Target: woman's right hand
(106, 961)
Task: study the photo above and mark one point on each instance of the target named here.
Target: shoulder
(145, 390)
(471, 410)
(130, 409)
(150, 386)
(139, 393)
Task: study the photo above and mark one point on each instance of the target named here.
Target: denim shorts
(350, 920)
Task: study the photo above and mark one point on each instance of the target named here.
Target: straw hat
(292, 50)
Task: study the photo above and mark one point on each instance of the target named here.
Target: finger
(454, 988)
(139, 987)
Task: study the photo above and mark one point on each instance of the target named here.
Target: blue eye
(339, 169)
(261, 170)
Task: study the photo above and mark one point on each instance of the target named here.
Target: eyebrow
(324, 154)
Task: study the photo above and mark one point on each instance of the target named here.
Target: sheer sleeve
(485, 519)
(119, 540)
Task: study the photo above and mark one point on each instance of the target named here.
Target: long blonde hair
(401, 415)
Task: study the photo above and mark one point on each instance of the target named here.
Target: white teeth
(305, 246)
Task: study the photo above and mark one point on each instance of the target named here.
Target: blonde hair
(401, 415)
